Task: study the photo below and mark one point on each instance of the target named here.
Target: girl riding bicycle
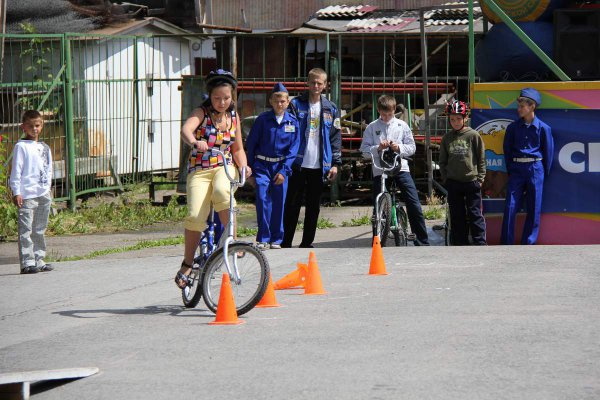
(213, 125)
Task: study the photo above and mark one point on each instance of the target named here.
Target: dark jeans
(464, 201)
(410, 197)
(305, 184)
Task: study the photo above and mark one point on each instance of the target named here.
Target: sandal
(182, 280)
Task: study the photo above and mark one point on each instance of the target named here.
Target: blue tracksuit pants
(270, 199)
(525, 178)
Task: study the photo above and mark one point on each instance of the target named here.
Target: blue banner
(574, 182)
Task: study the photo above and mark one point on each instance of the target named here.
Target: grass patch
(435, 208)
(322, 223)
(325, 223)
(434, 212)
(144, 244)
(244, 231)
(359, 221)
(124, 214)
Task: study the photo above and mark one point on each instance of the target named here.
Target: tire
(401, 235)
(448, 231)
(403, 226)
(192, 293)
(254, 273)
(382, 221)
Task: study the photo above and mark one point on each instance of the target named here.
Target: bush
(8, 211)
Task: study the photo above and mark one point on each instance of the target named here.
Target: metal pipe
(426, 102)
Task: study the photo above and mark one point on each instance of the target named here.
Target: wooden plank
(45, 375)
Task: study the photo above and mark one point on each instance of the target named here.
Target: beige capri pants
(204, 187)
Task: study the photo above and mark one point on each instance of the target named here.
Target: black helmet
(218, 77)
(391, 159)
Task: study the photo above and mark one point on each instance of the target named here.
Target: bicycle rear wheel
(382, 219)
(254, 274)
(192, 293)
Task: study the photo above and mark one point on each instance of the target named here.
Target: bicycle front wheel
(384, 215)
(254, 276)
(401, 234)
(192, 293)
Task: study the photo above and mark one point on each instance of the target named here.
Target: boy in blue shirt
(528, 152)
(271, 147)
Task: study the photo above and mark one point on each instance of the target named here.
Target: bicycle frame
(234, 273)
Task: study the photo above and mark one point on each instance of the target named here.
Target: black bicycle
(390, 219)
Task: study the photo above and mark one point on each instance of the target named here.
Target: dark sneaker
(46, 268)
(306, 246)
(30, 270)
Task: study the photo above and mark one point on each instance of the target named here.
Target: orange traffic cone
(268, 300)
(377, 262)
(226, 310)
(313, 283)
(295, 279)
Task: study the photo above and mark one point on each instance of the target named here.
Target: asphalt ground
(446, 323)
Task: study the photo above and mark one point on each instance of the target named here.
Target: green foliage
(244, 231)
(8, 211)
(434, 212)
(324, 223)
(124, 214)
(35, 59)
(359, 221)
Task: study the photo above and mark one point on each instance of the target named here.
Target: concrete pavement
(447, 323)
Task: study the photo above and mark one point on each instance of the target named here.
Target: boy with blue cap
(271, 147)
(528, 153)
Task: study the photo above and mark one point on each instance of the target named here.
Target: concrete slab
(448, 322)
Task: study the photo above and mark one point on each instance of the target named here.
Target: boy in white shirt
(30, 181)
(390, 132)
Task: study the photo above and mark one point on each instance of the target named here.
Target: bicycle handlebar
(396, 161)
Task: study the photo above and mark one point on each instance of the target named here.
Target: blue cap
(532, 94)
(279, 88)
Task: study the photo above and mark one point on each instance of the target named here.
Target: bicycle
(390, 215)
(246, 265)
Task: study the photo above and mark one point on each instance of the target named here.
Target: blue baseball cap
(279, 88)
(532, 94)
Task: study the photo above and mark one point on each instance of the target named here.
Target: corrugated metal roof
(437, 20)
(345, 11)
(456, 16)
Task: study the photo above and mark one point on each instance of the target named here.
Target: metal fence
(113, 105)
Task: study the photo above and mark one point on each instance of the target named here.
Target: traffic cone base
(377, 266)
(314, 285)
(226, 310)
(294, 280)
(268, 299)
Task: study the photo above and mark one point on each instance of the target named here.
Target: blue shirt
(533, 141)
(268, 138)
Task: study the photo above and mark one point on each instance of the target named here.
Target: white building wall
(111, 107)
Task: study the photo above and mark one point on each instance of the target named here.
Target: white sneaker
(275, 246)
(262, 245)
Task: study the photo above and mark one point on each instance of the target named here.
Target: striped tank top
(208, 132)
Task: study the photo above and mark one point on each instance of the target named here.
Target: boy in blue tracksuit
(528, 152)
(271, 148)
(318, 159)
